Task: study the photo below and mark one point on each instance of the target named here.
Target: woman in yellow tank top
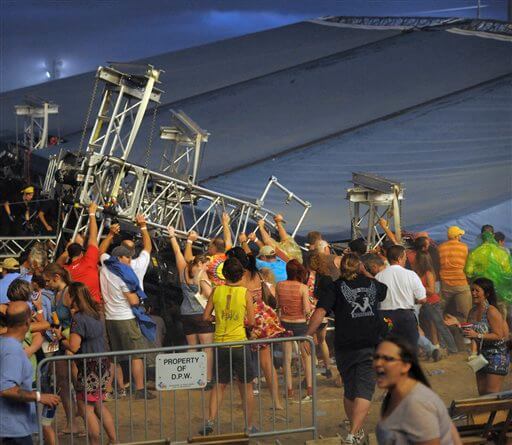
(230, 305)
(233, 313)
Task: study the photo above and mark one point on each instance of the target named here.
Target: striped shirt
(453, 255)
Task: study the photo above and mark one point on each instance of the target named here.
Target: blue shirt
(17, 419)
(4, 285)
(47, 302)
(278, 267)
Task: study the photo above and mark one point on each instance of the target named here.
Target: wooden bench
(488, 418)
(233, 438)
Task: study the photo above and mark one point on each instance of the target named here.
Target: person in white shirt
(404, 291)
(141, 263)
(122, 328)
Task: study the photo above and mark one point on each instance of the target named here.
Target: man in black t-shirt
(354, 299)
(22, 214)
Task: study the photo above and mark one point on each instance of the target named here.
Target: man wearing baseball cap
(454, 284)
(10, 271)
(22, 214)
(267, 258)
(122, 293)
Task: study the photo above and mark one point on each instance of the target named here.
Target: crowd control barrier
(176, 377)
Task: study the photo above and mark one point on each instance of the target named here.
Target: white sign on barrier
(185, 370)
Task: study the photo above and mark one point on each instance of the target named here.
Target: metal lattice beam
(372, 198)
(15, 246)
(35, 127)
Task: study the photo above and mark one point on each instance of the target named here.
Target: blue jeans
(433, 313)
(425, 344)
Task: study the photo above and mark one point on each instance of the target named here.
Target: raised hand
(114, 229)
(92, 208)
(278, 218)
(140, 220)
(226, 219)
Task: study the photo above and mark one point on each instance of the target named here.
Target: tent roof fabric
(310, 103)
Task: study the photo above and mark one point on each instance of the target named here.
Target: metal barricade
(175, 415)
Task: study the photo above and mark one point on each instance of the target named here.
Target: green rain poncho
(491, 261)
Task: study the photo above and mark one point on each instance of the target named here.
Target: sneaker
(436, 355)
(360, 435)
(349, 438)
(207, 429)
(140, 394)
(307, 398)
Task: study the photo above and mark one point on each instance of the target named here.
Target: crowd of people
(387, 305)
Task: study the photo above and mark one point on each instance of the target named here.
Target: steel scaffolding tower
(381, 198)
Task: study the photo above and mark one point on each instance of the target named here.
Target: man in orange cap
(454, 284)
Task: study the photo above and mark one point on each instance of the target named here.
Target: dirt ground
(167, 415)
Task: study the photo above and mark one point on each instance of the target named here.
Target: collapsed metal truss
(381, 198)
(123, 189)
(165, 200)
(182, 156)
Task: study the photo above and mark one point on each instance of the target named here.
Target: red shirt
(85, 270)
(433, 298)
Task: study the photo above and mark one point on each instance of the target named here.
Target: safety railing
(181, 404)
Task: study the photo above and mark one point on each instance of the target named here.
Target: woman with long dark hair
(87, 336)
(58, 280)
(411, 411)
(490, 332)
(196, 289)
(266, 321)
(431, 314)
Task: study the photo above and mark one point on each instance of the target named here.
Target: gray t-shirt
(421, 416)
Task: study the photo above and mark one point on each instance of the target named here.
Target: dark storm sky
(84, 34)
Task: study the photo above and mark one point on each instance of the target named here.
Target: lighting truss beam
(187, 144)
(165, 200)
(35, 128)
